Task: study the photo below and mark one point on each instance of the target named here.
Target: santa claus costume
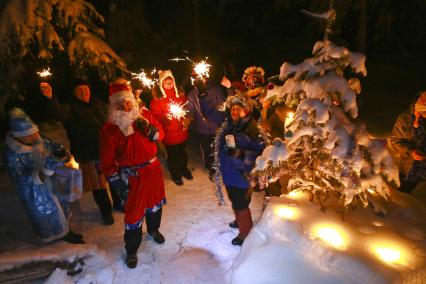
(128, 159)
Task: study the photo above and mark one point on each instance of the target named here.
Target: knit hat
(237, 101)
(162, 75)
(119, 92)
(21, 124)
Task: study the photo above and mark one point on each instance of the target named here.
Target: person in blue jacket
(203, 102)
(31, 162)
(239, 143)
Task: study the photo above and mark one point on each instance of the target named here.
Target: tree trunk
(38, 270)
(362, 28)
(197, 31)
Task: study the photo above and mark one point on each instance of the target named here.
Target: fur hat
(119, 92)
(253, 77)
(20, 124)
(162, 75)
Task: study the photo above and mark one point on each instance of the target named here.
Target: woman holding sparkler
(169, 110)
(238, 143)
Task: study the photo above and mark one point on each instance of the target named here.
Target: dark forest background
(392, 33)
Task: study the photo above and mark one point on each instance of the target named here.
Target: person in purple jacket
(203, 103)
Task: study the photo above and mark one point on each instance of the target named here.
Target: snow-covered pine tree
(324, 150)
(38, 30)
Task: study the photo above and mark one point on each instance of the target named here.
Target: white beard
(124, 120)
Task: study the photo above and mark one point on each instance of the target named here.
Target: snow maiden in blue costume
(32, 163)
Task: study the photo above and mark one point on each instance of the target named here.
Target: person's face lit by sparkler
(237, 112)
(82, 92)
(168, 83)
(125, 105)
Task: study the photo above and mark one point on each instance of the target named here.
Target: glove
(59, 153)
(234, 152)
(117, 184)
(141, 123)
(152, 132)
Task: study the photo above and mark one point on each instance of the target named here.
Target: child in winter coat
(175, 126)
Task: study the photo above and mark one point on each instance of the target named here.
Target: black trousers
(177, 159)
(102, 200)
(240, 197)
(206, 142)
(133, 238)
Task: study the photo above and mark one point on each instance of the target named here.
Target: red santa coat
(175, 133)
(119, 152)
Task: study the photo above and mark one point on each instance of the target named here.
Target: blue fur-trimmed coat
(236, 164)
(48, 215)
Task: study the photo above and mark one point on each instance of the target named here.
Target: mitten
(117, 184)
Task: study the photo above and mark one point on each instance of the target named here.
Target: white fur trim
(29, 131)
(120, 96)
(163, 75)
(36, 177)
(419, 107)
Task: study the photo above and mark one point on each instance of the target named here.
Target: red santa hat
(119, 92)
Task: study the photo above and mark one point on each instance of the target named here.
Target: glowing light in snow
(287, 212)
(332, 235)
(44, 73)
(289, 119)
(295, 194)
(388, 254)
(176, 110)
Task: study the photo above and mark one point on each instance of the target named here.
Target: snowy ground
(197, 247)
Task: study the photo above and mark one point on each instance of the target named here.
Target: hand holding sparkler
(46, 90)
(176, 111)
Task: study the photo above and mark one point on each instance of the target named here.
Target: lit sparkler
(45, 73)
(176, 110)
(145, 79)
(202, 68)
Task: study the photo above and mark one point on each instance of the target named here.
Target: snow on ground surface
(197, 248)
(198, 239)
(287, 244)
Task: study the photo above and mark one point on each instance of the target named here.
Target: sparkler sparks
(145, 79)
(176, 110)
(45, 73)
(201, 69)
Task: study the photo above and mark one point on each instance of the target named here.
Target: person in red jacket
(128, 159)
(175, 128)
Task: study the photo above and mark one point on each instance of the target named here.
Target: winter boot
(153, 222)
(132, 240)
(186, 173)
(158, 237)
(245, 223)
(177, 180)
(73, 238)
(131, 260)
(233, 224)
(108, 219)
(104, 204)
